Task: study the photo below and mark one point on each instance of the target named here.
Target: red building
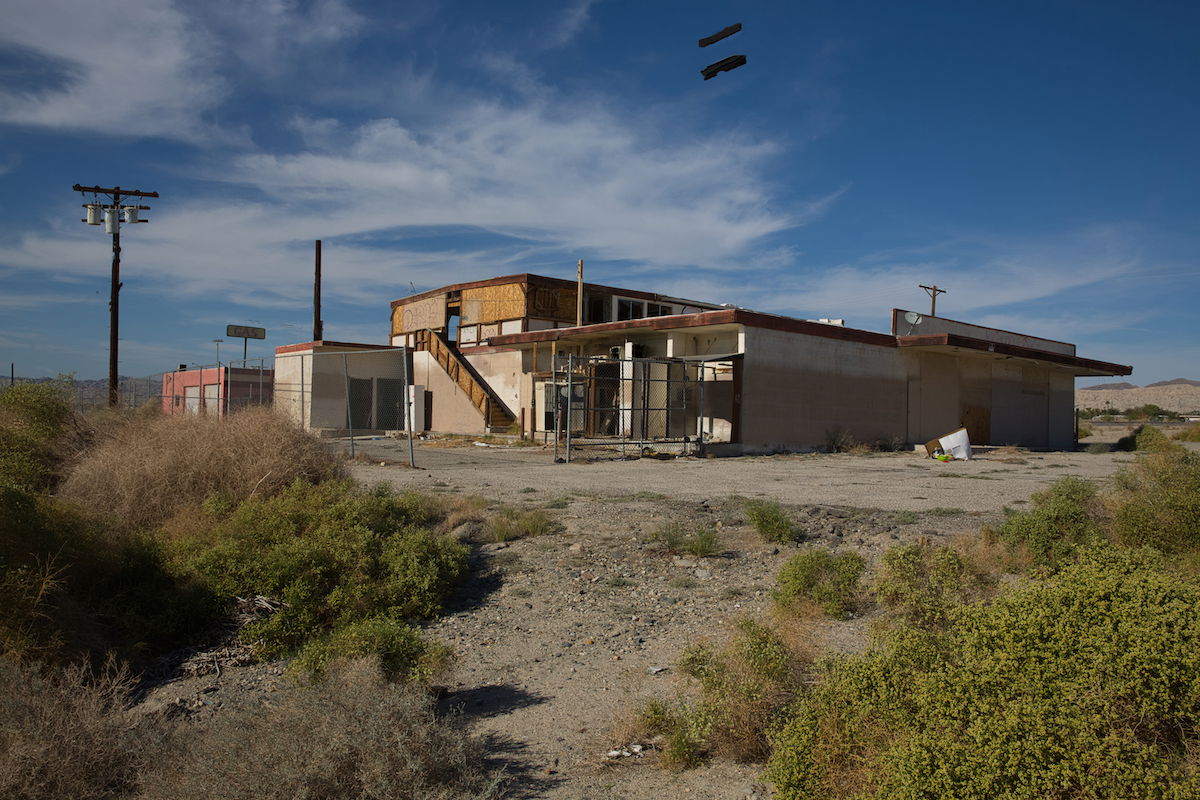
(216, 390)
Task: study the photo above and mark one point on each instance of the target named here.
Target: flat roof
(753, 319)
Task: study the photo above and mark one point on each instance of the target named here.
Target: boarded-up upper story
(471, 313)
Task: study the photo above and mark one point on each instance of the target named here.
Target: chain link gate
(615, 408)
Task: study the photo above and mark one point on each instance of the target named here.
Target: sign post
(245, 333)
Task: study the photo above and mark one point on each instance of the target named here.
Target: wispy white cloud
(570, 22)
(136, 71)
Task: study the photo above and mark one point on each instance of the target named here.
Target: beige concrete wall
(293, 373)
(796, 388)
(503, 372)
(451, 410)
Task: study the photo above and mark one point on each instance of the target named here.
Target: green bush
(924, 583)
(401, 650)
(826, 579)
(510, 523)
(1189, 434)
(675, 537)
(1080, 685)
(1097, 448)
(771, 521)
(1146, 438)
(1059, 522)
(743, 686)
(69, 587)
(1156, 502)
(336, 556)
(32, 418)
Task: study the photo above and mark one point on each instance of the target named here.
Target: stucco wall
(796, 388)
(502, 371)
(450, 409)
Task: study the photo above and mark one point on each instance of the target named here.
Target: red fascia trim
(969, 343)
(735, 316)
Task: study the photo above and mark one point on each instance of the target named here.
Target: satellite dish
(913, 319)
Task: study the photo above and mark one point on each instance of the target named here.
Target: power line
(933, 292)
(110, 215)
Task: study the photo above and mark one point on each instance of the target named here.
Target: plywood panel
(552, 302)
(493, 303)
(427, 313)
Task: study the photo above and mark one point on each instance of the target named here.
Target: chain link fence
(351, 394)
(606, 408)
(220, 388)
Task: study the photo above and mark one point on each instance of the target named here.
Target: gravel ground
(559, 635)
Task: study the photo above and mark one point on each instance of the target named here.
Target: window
(630, 309)
(656, 310)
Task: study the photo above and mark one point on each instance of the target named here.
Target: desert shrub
(1149, 411)
(1096, 448)
(336, 556)
(821, 577)
(675, 537)
(743, 686)
(401, 649)
(1060, 521)
(1146, 438)
(1079, 685)
(64, 734)
(924, 583)
(33, 416)
(1189, 434)
(145, 473)
(70, 588)
(1156, 502)
(511, 523)
(1083, 432)
(351, 736)
(771, 521)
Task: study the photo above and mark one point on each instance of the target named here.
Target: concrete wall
(451, 410)
(797, 388)
(502, 370)
(310, 384)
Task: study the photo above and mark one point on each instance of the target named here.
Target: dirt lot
(558, 635)
(562, 633)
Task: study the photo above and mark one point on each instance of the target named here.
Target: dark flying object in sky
(724, 65)
(721, 34)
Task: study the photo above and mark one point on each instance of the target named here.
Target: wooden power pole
(112, 212)
(933, 292)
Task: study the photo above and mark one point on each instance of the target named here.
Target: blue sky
(1038, 159)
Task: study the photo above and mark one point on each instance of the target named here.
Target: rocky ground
(559, 636)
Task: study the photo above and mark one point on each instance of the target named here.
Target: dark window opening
(630, 309)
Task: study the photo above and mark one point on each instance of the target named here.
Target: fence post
(408, 406)
(700, 409)
(557, 403)
(349, 413)
(570, 400)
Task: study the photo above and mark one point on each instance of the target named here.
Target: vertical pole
(557, 404)
(408, 408)
(318, 327)
(933, 301)
(579, 297)
(261, 364)
(349, 416)
(113, 299)
(700, 410)
(570, 400)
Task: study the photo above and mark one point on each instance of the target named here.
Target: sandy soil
(557, 636)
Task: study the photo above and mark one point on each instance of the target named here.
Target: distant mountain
(1175, 382)
(1121, 385)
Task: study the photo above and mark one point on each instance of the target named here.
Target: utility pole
(112, 213)
(933, 292)
(579, 297)
(318, 325)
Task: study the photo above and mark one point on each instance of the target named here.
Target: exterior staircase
(496, 414)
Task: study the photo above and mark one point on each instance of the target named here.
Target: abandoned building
(533, 355)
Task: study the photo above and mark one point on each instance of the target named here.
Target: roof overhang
(954, 344)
